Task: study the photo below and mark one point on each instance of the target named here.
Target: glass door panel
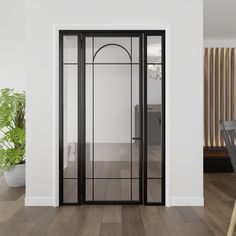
(112, 93)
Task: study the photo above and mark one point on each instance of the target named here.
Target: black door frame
(142, 34)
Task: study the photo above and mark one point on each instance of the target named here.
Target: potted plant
(12, 136)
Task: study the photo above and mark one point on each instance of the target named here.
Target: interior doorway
(112, 117)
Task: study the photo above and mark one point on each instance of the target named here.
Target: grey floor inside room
(212, 219)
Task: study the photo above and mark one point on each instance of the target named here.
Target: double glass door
(112, 117)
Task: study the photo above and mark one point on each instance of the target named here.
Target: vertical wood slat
(206, 97)
(227, 84)
(232, 82)
(219, 92)
(222, 70)
(211, 96)
(217, 97)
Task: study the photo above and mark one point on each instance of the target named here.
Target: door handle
(136, 138)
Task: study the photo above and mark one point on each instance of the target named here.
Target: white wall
(219, 19)
(12, 45)
(184, 98)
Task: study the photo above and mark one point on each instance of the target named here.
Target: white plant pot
(16, 176)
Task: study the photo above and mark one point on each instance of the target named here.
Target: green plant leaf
(16, 136)
(12, 127)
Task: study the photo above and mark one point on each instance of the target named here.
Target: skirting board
(187, 201)
(39, 201)
(175, 201)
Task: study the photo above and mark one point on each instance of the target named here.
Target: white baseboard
(175, 201)
(187, 201)
(39, 201)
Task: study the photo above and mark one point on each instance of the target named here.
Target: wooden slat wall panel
(232, 82)
(217, 96)
(206, 96)
(222, 94)
(211, 95)
(227, 84)
(219, 92)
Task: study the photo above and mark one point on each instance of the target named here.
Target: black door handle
(136, 138)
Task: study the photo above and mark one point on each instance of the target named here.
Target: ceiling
(219, 19)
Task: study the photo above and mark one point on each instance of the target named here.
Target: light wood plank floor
(213, 219)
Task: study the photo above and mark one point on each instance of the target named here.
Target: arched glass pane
(112, 50)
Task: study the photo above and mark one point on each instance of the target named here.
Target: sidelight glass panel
(154, 74)
(70, 49)
(154, 53)
(70, 194)
(70, 120)
(154, 188)
(154, 125)
(154, 118)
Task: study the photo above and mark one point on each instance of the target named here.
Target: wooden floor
(213, 219)
(113, 160)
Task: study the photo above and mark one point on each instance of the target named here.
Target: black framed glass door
(112, 81)
(111, 117)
